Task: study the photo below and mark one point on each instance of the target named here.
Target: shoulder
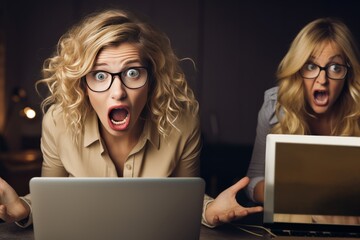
(53, 117)
(271, 94)
(270, 98)
(268, 108)
(53, 126)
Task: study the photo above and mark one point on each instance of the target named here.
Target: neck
(119, 147)
(320, 124)
(124, 141)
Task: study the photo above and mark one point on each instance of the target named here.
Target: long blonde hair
(291, 106)
(76, 53)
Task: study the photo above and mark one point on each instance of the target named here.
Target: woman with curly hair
(119, 106)
(318, 92)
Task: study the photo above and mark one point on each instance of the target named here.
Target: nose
(117, 89)
(322, 78)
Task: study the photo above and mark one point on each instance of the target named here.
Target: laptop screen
(312, 180)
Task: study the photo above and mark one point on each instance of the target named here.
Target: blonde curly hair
(291, 108)
(76, 53)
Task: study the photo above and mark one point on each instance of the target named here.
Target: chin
(320, 111)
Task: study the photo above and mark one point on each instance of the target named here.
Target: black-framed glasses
(132, 78)
(333, 71)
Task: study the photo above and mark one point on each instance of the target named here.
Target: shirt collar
(91, 129)
(151, 133)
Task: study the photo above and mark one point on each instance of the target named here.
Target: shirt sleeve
(27, 221)
(266, 119)
(207, 200)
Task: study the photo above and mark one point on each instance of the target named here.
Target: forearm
(259, 192)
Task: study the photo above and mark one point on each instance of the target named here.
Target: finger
(240, 184)
(233, 215)
(255, 209)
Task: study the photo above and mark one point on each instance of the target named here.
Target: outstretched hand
(225, 208)
(12, 208)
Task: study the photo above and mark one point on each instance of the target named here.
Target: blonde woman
(318, 92)
(119, 106)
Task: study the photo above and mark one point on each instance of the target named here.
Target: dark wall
(236, 46)
(243, 43)
(32, 29)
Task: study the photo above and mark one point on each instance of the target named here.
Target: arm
(225, 208)
(18, 209)
(12, 208)
(256, 171)
(215, 211)
(259, 192)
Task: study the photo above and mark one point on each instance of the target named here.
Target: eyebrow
(331, 58)
(125, 64)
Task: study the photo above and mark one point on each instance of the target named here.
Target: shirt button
(128, 166)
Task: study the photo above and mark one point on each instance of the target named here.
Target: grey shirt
(266, 120)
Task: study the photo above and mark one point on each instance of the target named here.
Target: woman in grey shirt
(318, 92)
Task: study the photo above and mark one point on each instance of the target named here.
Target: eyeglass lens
(132, 78)
(333, 71)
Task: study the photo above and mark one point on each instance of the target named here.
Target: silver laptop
(117, 208)
(312, 186)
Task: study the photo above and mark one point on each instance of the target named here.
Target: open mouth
(321, 97)
(118, 116)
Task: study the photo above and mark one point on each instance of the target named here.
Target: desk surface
(226, 232)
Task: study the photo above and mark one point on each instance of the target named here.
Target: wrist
(206, 215)
(26, 219)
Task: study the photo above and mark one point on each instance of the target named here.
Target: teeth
(321, 97)
(119, 122)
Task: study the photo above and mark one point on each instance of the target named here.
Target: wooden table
(227, 232)
(10, 231)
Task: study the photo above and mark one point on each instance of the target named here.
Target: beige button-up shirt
(177, 155)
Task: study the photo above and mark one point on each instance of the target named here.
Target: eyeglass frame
(325, 68)
(113, 75)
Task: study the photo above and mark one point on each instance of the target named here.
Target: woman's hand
(12, 208)
(225, 208)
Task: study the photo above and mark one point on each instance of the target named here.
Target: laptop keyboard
(315, 234)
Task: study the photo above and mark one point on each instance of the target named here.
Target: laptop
(312, 186)
(116, 208)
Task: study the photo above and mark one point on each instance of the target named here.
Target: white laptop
(117, 208)
(312, 185)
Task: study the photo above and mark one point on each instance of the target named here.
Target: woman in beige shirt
(119, 107)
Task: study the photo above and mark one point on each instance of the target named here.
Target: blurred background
(236, 46)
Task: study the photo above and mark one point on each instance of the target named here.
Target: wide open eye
(310, 67)
(132, 73)
(336, 68)
(309, 70)
(100, 76)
